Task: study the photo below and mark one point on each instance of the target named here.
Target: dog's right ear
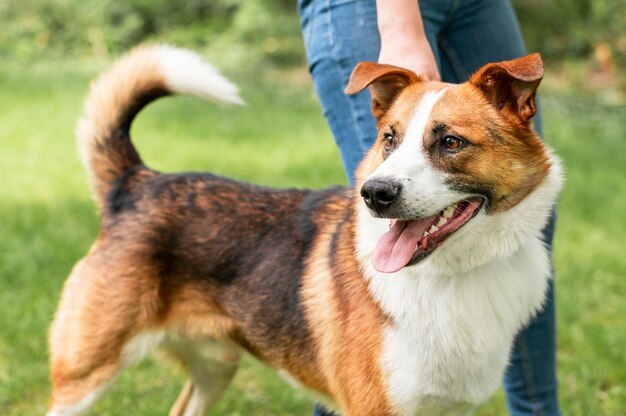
(385, 82)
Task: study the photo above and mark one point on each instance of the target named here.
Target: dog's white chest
(450, 340)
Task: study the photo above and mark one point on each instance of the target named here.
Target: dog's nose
(380, 194)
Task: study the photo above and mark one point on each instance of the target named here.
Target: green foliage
(260, 31)
(566, 28)
(243, 31)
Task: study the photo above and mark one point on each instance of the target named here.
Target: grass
(47, 222)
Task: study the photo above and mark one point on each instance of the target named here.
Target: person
(445, 40)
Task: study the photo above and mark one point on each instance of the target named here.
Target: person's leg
(530, 380)
(482, 31)
(337, 36)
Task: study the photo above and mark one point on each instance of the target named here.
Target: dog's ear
(510, 86)
(385, 82)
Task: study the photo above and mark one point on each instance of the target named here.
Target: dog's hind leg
(93, 337)
(211, 366)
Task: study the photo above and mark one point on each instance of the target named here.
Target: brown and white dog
(399, 297)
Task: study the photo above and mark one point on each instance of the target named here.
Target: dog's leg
(90, 336)
(76, 397)
(211, 366)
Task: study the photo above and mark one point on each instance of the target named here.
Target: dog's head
(447, 153)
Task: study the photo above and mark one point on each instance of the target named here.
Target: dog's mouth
(409, 242)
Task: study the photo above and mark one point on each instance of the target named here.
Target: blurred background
(49, 50)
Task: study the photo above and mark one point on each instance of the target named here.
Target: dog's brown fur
(219, 262)
(205, 257)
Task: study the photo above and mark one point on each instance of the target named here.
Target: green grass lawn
(47, 222)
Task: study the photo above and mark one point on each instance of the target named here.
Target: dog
(400, 296)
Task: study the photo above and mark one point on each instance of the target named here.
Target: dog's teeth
(425, 234)
(433, 228)
(442, 221)
(447, 213)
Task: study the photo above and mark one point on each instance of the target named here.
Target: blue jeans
(464, 35)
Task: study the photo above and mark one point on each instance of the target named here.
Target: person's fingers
(416, 56)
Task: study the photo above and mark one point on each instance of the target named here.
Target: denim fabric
(464, 35)
(337, 36)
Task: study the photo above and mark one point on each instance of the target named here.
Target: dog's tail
(115, 98)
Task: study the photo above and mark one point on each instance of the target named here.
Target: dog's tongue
(396, 247)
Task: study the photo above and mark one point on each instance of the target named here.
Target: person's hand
(414, 54)
(403, 41)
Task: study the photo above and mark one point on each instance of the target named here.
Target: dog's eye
(452, 143)
(388, 141)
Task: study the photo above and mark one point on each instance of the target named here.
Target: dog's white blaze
(408, 164)
(408, 158)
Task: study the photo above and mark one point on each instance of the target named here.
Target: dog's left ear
(511, 85)
(385, 82)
